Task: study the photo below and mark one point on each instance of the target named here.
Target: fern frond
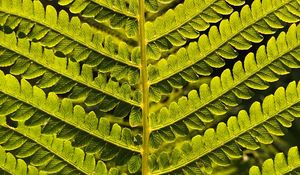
(126, 8)
(173, 28)
(120, 14)
(110, 86)
(48, 146)
(44, 159)
(14, 166)
(238, 32)
(280, 165)
(31, 61)
(67, 122)
(67, 38)
(22, 102)
(223, 93)
(245, 130)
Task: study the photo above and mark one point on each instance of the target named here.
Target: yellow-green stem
(145, 87)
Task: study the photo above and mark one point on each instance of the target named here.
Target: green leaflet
(120, 7)
(57, 117)
(86, 47)
(71, 159)
(65, 115)
(44, 160)
(280, 165)
(120, 14)
(246, 130)
(61, 77)
(173, 28)
(9, 163)
(198, 59)
(199, 109)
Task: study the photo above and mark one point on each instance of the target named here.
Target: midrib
(145, 90)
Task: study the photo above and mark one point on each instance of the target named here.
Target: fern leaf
(246, 130)
(45, 160)
(127, 8)
(68, 123)
(61, 77)
(198, 58)
(120, 14)
(12, 165)
(80, 43)
(280, 165)
(71, 159)
(110, 86)
(56, 116)
(173, 28)
(198, 110)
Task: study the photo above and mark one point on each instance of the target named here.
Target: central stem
(145, 87)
